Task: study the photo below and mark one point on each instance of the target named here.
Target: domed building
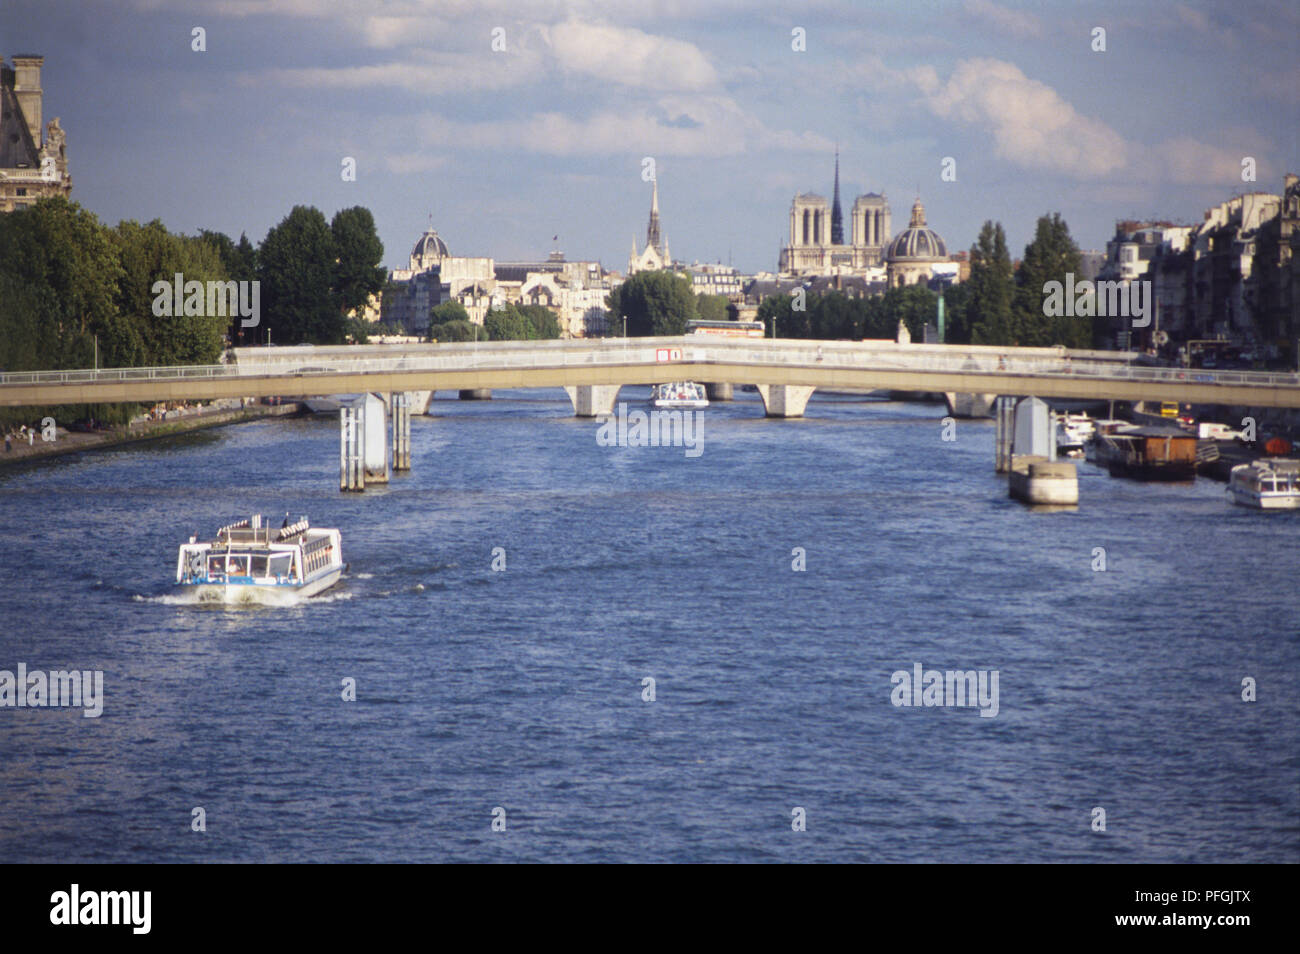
(429, 251)
(910, 256)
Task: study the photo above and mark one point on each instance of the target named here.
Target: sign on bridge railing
(668, 354)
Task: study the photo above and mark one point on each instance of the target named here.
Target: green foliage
(1049, 257)
(357, 274)
(988, 308)
(456, 330)
(447, 311)
(775, 312)
(59, 273)
(543, 321)
(507, 324)
(956, 314)
(150, 254)
(296, 265)
(654, 303)
(835, 316)
(713, 308)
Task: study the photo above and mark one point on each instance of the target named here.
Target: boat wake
(278, 598)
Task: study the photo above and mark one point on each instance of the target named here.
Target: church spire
(837, 219)
(652, 238)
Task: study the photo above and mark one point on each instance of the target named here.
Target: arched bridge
(786, 372)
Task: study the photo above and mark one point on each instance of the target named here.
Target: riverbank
(73, 442)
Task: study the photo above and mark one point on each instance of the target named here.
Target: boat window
(239, 565)
(281, 565)
(259, 566)
(216, 566)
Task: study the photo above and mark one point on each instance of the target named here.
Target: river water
(524, 688)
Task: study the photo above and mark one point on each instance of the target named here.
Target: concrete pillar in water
(401, 405)
(1005, 434)
(785, 400)
(718, 390)
(352, 442)
(475, 394)
(376, 444)
(592, 400)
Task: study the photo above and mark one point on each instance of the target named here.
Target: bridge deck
(299, 372)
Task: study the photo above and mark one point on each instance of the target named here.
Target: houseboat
(249, 561)
(1148, 453)
(1270, 483)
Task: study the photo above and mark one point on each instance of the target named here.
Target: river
(525, 688)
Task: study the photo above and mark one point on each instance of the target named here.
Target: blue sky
(507, 149)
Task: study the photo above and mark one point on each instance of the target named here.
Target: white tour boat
(1270, 483)
(679, 394)
(1073, 431)
(251, 562)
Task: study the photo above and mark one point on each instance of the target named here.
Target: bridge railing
(865, 356)
(89, 376)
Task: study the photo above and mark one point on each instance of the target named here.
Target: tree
(447, 311)
(713, 307)
(240, 264)
(542, 320)
(357, 274)
(835, 316)
(59, 276)
(654, 303)
(776, 314)
(956, 314)
(991, 288)
(507, 324)
(297, 266)
(1049, 257)
(456, 330)
(914, 305)
(150, 254)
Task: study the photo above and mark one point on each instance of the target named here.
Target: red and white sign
(668, 354)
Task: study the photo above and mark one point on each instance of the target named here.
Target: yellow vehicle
(1168, 408)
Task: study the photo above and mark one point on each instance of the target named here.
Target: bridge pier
(400, 402)
(352, 443)
(718, 390)
(1004, 436)
(969, 405)
(363, 435)
(592, 400)
(784, 400)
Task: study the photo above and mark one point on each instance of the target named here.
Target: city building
(816, 239)
(33, 159)
(574, 291)
(917, 255)
(1233, 278)
(655, 255)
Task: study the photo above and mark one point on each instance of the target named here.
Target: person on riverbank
(9, 445)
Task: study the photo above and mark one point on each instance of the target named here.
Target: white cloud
(1016, 22)
(630, 57)
(685, 126)
(433, 74)
(1030, 123)
(1196, 19)
(410, 162)
(1186, 161)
